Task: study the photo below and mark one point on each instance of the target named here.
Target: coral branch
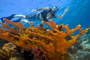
(51, 24)
(51, 42)
(7, 27)
(17, 25)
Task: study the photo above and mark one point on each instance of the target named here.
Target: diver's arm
(60, 17)
(47, 8)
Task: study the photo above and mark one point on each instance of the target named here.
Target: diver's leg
(21, 16)
(24, 20)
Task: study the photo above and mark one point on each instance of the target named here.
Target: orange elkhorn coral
(52, 42)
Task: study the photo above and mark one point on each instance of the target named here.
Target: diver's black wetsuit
(37, 16)
(32, 16)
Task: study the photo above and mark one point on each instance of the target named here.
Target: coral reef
(8, 51)
(81, 49)
(51, 42)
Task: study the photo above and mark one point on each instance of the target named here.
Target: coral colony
(51, 42)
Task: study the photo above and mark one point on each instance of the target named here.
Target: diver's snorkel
(50, 6)
(54, 8)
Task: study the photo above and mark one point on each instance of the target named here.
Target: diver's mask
(55, 8)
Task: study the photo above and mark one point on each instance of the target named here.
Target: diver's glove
(66, 10)
(33, 10)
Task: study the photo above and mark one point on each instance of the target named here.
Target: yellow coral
(52, 43)
(7, 51)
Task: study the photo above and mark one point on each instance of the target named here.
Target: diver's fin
(2, 19)
(11, 16)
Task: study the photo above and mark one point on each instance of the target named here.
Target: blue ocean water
(79, 10)
(79, 13)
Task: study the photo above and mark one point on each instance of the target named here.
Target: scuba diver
(45, 15)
